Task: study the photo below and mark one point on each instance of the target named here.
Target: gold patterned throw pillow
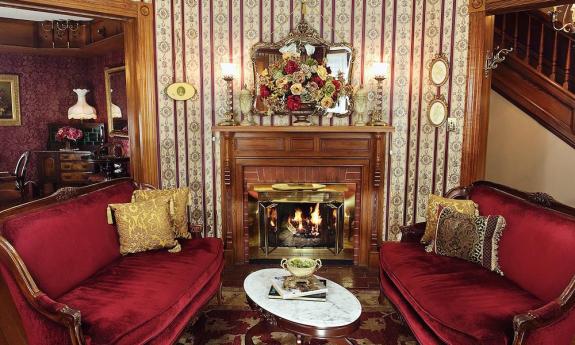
(472, 238)
(145, 225)
(181, 203)
(432, 213)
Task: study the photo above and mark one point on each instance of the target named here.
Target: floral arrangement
(294, 81)
(69, 133)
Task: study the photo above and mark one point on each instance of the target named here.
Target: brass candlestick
(229, 115)
(377, 114)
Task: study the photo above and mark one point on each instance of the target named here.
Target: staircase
(539, 76)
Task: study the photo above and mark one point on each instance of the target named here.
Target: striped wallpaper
(194, 36)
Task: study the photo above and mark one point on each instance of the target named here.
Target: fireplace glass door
(292, 222)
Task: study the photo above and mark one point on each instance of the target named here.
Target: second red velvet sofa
(446, 300)
(63, 280)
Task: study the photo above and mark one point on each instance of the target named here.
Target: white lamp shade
(82, 110)
(116, 111)
(228, 69)
(380, 69)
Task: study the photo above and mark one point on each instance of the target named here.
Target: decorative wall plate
(181, 91)
(439, 70)
(437, 111)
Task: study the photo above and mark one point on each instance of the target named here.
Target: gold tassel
(109, 215)
(172, 208)
(177, 248)
(189, 198)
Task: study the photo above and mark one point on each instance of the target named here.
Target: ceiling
(17, 13)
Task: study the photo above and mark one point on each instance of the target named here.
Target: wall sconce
(228, 72)
(380, 71)
(494, 58)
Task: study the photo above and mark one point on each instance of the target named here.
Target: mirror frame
(438, 100)
(111, 131)
(439, 58)
(302, 32)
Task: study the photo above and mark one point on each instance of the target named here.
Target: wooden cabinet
(60, 169)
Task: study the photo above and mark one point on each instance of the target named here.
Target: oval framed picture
(437, 111)
(181, 91)
(439, 70)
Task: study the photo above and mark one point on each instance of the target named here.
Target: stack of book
(302, 292)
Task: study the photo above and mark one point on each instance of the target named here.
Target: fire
(299, 224)
(315, 219)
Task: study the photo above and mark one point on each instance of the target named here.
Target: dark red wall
(46, 84)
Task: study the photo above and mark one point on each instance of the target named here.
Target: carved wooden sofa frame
(57, 312)
(533, 319)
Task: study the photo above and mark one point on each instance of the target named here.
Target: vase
(302, 115)
(246, 102)
(82, 110)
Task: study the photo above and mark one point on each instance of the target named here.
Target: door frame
(139, 50)
(476, 122)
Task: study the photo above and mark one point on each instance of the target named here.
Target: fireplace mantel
(303, 129)
(303, 154)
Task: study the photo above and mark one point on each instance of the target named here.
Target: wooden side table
(333, 320)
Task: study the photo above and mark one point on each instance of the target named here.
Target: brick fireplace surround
(304, 154)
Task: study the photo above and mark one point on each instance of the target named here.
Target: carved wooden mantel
(283, 146)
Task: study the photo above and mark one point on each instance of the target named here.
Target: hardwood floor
(351, 277)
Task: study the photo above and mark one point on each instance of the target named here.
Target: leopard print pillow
(468, 237)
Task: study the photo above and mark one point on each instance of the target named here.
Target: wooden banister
(567, 76)
(542, 89)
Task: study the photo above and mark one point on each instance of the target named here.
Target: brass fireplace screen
(300, 221)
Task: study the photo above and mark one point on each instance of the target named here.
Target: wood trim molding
(140, 80)
(113, 9)
(139, 48)
(503, 6)
(477, 107)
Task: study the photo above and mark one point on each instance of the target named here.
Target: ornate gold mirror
(303, 75)
(116, 101)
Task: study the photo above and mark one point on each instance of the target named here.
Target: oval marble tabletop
(340, 309)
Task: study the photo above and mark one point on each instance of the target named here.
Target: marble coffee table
(333, 319)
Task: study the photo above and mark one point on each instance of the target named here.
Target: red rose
(337, 84)
(264, 91)
(291, 67)
(320, 82)
(293, 102)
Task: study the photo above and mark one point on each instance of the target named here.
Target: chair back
(20, 170)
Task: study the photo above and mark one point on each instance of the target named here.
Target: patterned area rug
(227, 324)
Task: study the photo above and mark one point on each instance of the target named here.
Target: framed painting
(9, 100)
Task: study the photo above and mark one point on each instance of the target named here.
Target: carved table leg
(260, 328)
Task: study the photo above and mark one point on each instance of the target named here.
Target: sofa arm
(36, 299)
(556, 319)
(412, 233)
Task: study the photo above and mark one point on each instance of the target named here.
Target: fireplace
(342, 220)
(306, 219)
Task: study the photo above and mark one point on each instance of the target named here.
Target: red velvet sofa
(447, 300)
(63, 280)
